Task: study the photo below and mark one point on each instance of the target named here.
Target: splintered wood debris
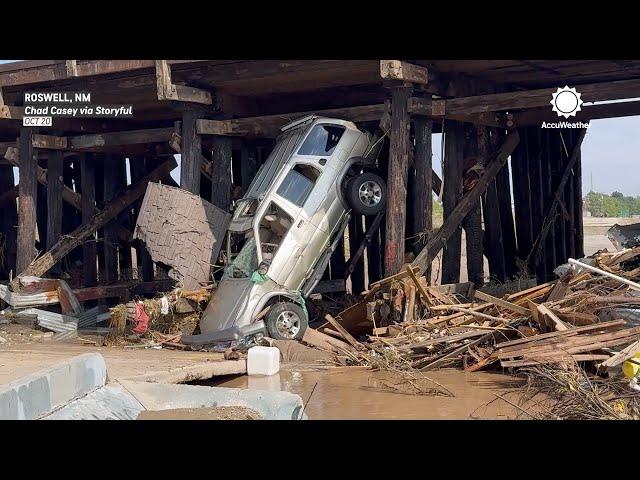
(404, 324)
(183, 231)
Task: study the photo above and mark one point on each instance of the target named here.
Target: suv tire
(286, 321)
(367, 193)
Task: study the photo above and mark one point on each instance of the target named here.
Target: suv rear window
(322, 140)
(298, 183)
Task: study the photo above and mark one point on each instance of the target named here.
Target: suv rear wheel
(286, 321)
(367, 193)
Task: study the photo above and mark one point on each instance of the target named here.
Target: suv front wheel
(366, 193)
(286, 321)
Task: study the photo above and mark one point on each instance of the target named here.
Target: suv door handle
(300, 223)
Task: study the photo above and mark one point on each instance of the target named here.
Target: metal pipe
(634, 285)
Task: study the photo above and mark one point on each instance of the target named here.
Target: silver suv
(289, 223)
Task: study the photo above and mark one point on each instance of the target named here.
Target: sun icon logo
(566, 102)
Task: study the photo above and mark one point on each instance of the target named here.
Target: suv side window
(298, 183)
(322, 140)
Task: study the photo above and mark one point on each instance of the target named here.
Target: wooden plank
(452, 223)
(42, 264)
(621, 356)
(68, 301)
(325, 342)
(346, 335)
(570, 332)
(548, 314)
(397, 181)
(403, 71)
(27, 199)
(485, 297)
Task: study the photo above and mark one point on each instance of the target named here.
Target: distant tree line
(614, 205)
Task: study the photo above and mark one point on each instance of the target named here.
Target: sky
(610, 155)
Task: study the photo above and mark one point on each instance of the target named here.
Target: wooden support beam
(8, 219)
(138, 166)
(472, 223)
(551, 211)
(180, 93)
(466, 203)
(54, 197)
(42, 264)
(206, 167)
(191, 156)
(89, 247)
(452, 175)
(403, 71)
(68, 195)
(125, 267)
(221, 174)
(397, 181)
(269, 126)
(494, 245)
(594, 92)
(422, 202)
(111, 185)
(27, 201)
(503, 192)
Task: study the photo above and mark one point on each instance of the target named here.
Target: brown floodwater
(358, 393)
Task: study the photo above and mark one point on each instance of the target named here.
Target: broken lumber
(68, 242)
(346, 335)
(485, 297)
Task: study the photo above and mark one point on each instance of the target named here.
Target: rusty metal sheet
(181, 230)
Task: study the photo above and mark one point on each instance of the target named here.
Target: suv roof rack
(300, 121)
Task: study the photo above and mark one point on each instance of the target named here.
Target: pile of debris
(580, 320)
(52, 305)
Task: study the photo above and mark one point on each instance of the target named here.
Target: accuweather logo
(566, 102)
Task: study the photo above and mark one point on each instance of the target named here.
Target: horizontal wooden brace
(536, 98)
(269, 126)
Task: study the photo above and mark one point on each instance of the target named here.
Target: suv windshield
(245, 263)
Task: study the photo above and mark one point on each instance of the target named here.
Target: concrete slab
(34, 395)
(18, 360)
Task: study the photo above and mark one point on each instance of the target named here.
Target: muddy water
(355, 393)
